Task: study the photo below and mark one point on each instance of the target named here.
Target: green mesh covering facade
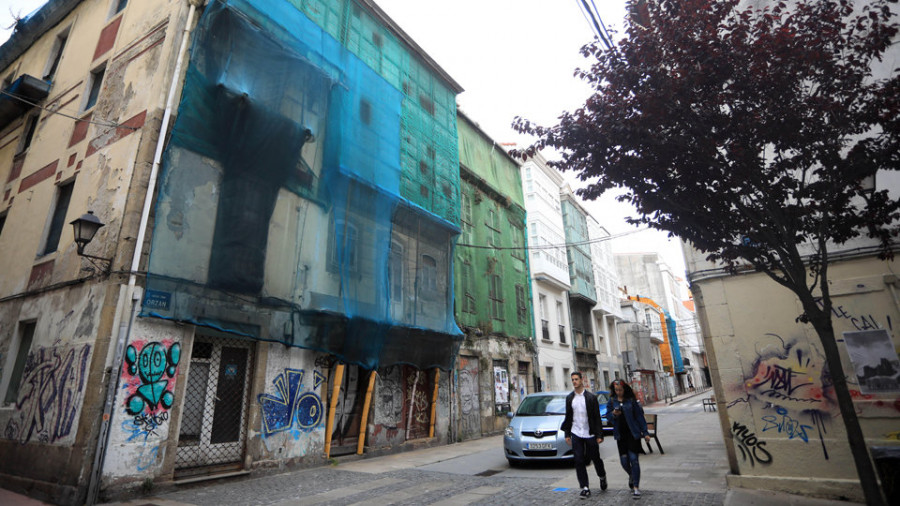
(492, 277)
(309, 192)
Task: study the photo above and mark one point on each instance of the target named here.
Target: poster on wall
(501, 386)
(874, 360)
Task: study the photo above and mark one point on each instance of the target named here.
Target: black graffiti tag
(780, 382)
(751, 447)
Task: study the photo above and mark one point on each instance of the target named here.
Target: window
(429, 274)
(58, 219)
(494, 227)
(518, 238)
(95, 82)
(560, 320)
(26, 335)
(31, 123)
(468, 283)
(56, 55)
(496, 296)
(2, 223)
(466, 208)
(117, 6)
(551, 385)
(521, 308)
(396, 271)
(344, 246)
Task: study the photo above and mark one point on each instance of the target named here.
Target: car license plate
(540, 446)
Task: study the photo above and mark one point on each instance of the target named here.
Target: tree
(751, 134)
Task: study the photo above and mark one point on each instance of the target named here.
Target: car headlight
(510, 432)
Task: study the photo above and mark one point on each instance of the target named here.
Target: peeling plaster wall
(779, 414)
(490, 350)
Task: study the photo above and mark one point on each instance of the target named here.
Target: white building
(549, 272)
(608, 311)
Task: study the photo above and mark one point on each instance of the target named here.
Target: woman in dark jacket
(629, 425)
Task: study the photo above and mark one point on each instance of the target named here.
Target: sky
(512, 58)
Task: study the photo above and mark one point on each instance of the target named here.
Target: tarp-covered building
(279, 187)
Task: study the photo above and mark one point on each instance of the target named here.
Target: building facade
(608, 311)
(285, 296)
(496, 364)
(549, 272)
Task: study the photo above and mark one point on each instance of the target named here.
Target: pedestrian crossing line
(340, 493)
(416, 490)
(476, 494)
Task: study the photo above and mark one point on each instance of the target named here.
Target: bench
(709, 402)
(653, 428)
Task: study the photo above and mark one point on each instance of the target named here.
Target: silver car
(534, 432)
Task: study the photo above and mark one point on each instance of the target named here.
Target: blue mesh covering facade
(306, 197)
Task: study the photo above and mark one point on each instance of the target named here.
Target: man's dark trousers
(586, 448)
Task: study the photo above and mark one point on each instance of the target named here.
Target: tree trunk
(821, 321)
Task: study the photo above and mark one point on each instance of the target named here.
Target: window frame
(29, 130)
(56, 54)
(495, 293)
(95, 78)
(56, 219)
(24, 340)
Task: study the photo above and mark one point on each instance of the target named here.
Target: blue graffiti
(787, 425)
(289, 406)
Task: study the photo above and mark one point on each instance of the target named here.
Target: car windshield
(541, 405)
(602, 398)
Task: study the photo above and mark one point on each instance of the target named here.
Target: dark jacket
(595, 425)
(632, 414)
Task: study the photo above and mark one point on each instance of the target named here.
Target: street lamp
(85, 228)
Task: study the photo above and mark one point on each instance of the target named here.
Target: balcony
(20, 96)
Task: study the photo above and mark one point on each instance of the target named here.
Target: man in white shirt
(584, 433)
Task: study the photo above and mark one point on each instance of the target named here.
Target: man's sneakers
(585, 493)
(636, 494)
(603, 483)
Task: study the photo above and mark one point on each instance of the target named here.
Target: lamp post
(85, 228)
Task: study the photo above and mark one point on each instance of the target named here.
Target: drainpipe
(132, 293)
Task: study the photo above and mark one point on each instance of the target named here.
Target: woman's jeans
(632, 467)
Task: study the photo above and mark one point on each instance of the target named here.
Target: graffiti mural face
(149, 388)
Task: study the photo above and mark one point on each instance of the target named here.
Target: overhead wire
(553, 246)
(52, 111)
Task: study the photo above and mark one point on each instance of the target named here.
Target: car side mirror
(509, 414)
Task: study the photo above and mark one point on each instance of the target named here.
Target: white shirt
(580, 425)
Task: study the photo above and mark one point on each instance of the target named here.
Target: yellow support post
(332, 406)
(437, 376)
(365, 414)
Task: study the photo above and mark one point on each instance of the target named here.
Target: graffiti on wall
(785, 424)
(148, 380)
(789, 375)
(50, 394)
(292, 407)
(752, 448)
(859, 322)
(793, 380)
(145, 373)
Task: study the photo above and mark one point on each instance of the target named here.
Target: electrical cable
(51, 111)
